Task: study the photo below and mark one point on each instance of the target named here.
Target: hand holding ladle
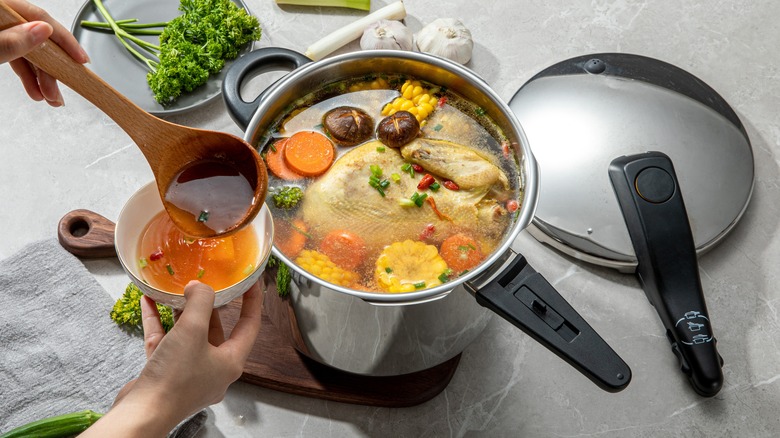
(184, 160)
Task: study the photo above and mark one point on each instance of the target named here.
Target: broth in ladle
(209, 197)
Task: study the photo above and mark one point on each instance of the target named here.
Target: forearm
(136, 415)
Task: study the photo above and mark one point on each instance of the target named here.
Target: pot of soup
(398, 182)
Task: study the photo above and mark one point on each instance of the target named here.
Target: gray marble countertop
(506, 384)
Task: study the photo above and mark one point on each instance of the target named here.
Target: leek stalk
(363, 5)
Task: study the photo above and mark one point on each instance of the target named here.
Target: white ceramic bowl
(139, 210)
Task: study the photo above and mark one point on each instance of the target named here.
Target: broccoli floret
(288, 197)
(127, 311)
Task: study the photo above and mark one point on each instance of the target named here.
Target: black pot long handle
(523, 297)
(255, 62)
(649, 196)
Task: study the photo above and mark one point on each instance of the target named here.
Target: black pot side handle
(255, 62)
(651, 201)
(523, 297)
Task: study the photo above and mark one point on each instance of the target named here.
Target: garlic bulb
(448, 38)
(387, 34)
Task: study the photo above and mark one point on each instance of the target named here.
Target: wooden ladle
(168, 148)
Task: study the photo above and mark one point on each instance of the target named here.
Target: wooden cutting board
(275, 363)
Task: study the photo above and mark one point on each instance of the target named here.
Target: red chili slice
(442, 101)
(450, 185)
(512, 205)
(157, 255)
(417, 168)
(427, 232)
(425, 182)
(505, 149)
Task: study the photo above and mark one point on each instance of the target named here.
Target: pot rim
(529, 168)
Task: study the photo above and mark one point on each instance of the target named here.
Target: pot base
(275, 364)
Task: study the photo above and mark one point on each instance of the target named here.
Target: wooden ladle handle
(85, 233)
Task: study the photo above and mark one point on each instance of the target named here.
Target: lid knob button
(595, 66)
(654, 185)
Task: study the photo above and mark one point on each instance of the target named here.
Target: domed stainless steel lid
(584, 112)
(642, 167)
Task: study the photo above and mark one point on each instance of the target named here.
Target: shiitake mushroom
(398, 129)
(348, 126)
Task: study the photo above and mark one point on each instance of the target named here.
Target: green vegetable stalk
(123, 35)
(363, 5)
(54, 427)
(127, 310)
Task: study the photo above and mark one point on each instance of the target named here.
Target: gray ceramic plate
(115, 65)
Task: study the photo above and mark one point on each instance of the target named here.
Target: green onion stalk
(123, 34)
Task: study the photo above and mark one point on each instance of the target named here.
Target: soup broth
(209, 197)
(169, 259)
(386, 219)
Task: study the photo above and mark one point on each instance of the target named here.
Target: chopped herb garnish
(318, 126)
(438, 127)
(389, 270)
(142, 262)
(419, 198)
(380, 149)
(298, 229)
(435, 186)
(466, 248)
(201, 271)
(204, 216)
(375, 180)
(406, 202)
(419, 285)
(169, 268)
(408, 168)
(480, 111)
(395, 177)
(445, 276)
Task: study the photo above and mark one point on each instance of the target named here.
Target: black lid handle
(523, 297)
(651, 201)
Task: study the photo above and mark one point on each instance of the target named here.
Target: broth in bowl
(170, 259)
(420, 189)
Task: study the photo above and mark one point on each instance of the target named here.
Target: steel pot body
(393, 334)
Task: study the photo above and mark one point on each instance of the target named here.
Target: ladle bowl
(168, 148)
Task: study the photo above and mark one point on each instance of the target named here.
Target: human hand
(188, 368)
(17, 41)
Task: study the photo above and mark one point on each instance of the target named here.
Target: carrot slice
(460, 252)
(344, 248)
(290, 236)
(309, 153)
(274, 159)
